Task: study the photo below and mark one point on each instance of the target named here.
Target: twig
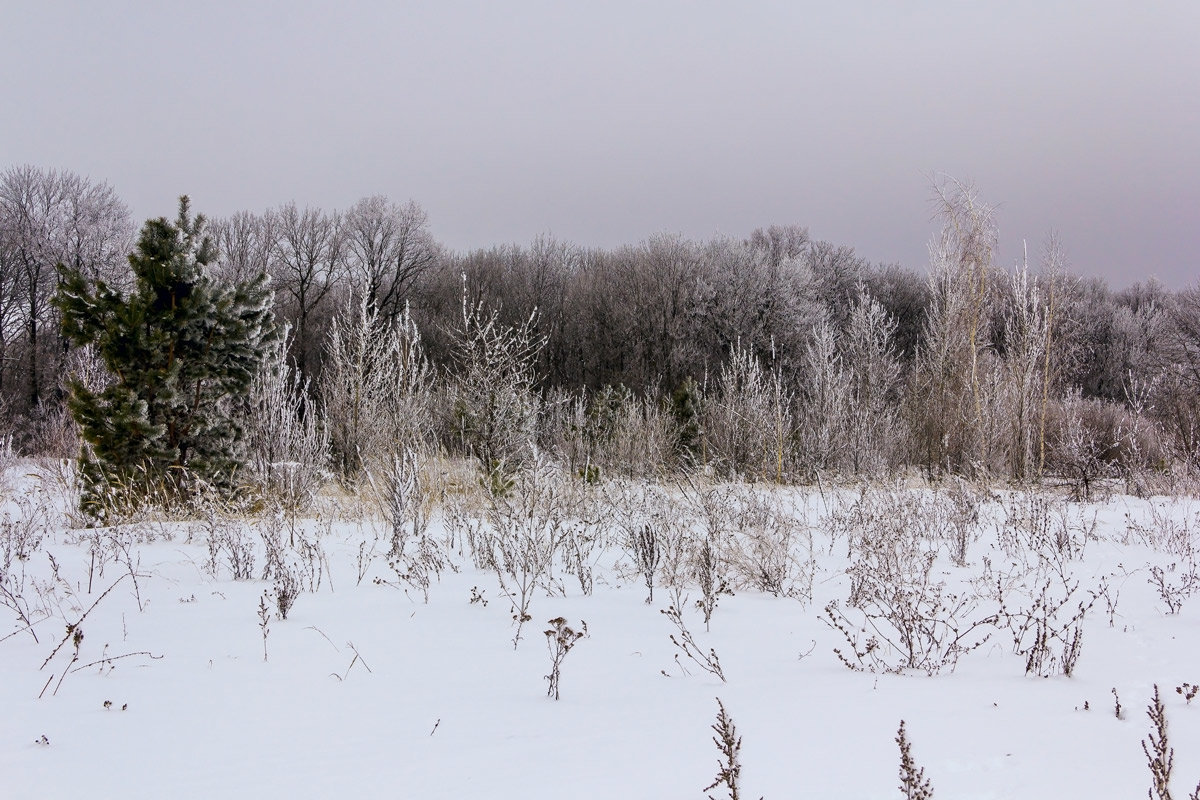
(19, 631)
(359, 657)
(318, 630)
(115, 658)
(72, 626)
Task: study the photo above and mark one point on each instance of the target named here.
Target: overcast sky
(604, 123)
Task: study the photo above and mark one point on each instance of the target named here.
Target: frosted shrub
(228, 543)
(353, 385)
(909, 622)
(563, 429)
(1174, 585)
(1047, 627)
(21, 534)
(769, 550)
(748, 423)
(578, 551)
(1171, 529)
(496, 408)
(288, 447)
(403, 500)
(646, 551)
(957, 510)
(1082, 442)
(716, 511)
(919, 626)
(641, 442)
(377, 386)
(614, 432)
(888, 530)
(1043, 526)
(519, 535)
(898, 616)
(654, 530)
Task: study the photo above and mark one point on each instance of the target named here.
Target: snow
(438, 703)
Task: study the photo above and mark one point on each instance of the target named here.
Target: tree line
(775, 356)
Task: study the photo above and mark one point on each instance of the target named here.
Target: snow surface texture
(369, 691)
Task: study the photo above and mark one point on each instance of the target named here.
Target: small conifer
(178, 346)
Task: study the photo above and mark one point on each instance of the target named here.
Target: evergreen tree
(685, 408)
(178, 347)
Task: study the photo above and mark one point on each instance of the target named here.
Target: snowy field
(367, 689)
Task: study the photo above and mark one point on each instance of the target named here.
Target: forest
(777, 356)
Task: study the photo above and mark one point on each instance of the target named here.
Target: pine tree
(178, 346)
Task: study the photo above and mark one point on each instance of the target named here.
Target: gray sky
(605, 122)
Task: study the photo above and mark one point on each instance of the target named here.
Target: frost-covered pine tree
(179, 346)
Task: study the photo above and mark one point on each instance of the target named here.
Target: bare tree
(307, 265)
(1054, 275)
(10, 286)
(662, 277)
(50, 217)
(246, 243)
(872, 411)
(388, 248)
(1177, 362)
(822, 408)
(949, 395)
(1026, 334)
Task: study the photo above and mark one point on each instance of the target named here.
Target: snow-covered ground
(369, 691)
